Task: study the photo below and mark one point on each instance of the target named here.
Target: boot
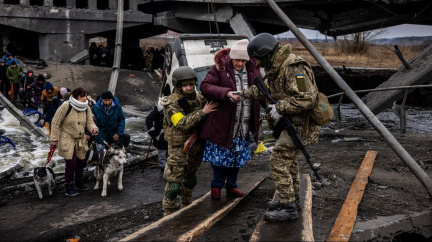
(216, 193)
(70, 189)
(234, 192)
(297, 202)
(79, 184)
(288, 212)
(273, 205)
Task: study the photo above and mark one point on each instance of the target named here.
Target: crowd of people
(189, 127)
(143, 58)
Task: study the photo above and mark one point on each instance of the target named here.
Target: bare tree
(357, 43)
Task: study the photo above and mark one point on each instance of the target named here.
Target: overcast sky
(404, 30)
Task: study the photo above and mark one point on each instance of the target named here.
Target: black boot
(79, 184)
(288, 212)
(297, 202)
(70, 189)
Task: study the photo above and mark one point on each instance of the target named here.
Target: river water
(32, 151)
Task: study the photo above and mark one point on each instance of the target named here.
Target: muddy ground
(392, 188)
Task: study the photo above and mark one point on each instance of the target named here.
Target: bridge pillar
(48, 3)
(61, 47)
(71, 3)
(133, 5)
(239, 25)
(24, 2)
(92, 4)
(113, 4)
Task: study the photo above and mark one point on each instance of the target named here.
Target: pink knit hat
(63, 90)
(239, 50)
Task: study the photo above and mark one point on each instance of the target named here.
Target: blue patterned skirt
(220, 156)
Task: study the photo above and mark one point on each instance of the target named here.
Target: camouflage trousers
(149, 65)
(284, 168)
(180, 174)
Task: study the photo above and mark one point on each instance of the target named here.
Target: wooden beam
(192, 221)
(344, 224)
(296, 230)
(18, 115)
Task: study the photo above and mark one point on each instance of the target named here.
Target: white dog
(112, 165)
(42, 176)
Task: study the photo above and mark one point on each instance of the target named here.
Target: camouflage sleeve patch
(301, 94)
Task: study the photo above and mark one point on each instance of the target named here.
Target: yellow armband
(176, 118)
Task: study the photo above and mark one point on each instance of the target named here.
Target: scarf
(77, 105)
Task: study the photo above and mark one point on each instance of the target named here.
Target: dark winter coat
(111, 123)
(3, 70)
(37, 92)
(155, 119)
(26, 81)
(219, 126)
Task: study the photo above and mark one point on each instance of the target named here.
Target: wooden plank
(18, 115)
(189, 223)
(295, 230)
(344, 224)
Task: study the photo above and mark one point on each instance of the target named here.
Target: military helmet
(183, 73)
(261, 45)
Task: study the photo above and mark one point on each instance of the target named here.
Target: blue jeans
(222, 173)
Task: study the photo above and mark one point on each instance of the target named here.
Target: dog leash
(103, 141)
(50, 153)
(145, 160)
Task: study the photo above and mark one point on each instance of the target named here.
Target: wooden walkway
(189, 223)
(296, 230)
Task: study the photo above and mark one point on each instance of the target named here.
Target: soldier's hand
(210, 107)
(274, 113)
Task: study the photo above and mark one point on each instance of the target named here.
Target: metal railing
(400, 109)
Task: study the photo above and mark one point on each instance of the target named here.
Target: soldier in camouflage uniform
(148, 55)
(296, 94)
(179, 125)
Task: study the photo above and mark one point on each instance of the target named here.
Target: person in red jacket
(227, 129)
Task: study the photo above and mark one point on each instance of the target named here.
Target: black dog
(42, 176)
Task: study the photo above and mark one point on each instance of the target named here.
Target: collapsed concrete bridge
(57, 30)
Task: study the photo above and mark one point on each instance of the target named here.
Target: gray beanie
(239, 50)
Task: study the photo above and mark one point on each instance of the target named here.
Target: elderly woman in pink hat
(227, 129)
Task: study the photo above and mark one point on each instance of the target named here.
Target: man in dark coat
(25, 90)
(110, 119)
(227, 129)
(154, 123)
(38, 86)
(4, 81)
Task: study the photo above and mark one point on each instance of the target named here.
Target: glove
(152, 132)
(274, 113)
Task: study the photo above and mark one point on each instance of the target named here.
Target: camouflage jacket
(178, 125)
(295, 89)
